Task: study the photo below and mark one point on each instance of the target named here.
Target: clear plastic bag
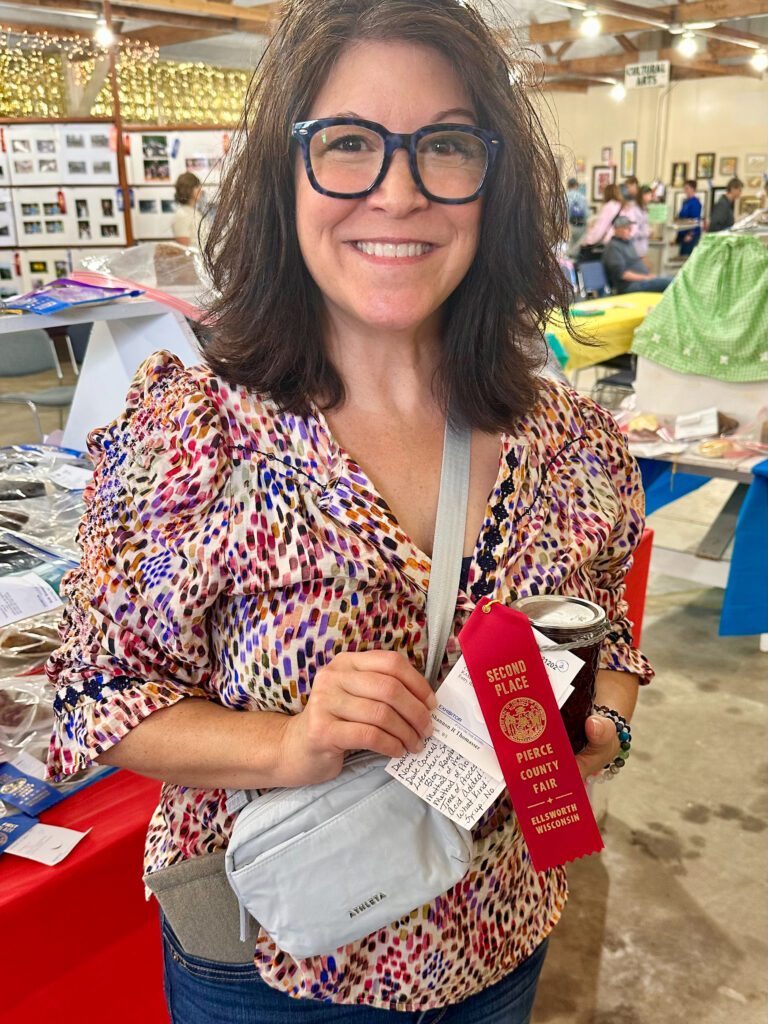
(167, 266)
(25, 646)
(26, 715)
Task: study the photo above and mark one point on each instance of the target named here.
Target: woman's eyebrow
(440, 116)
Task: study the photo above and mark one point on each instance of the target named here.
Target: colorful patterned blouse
(230, 549)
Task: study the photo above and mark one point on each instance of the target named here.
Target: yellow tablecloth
(613, 331)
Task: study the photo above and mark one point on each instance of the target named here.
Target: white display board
(158, 157)
(34, 154)
(98, 214)
(7, 219)
(89, 154)
(152, 211)
(61, 154)
(10, 273)
(44, 216)
(41, 266)
(5, 168)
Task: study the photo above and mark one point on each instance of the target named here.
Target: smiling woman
(251, 605)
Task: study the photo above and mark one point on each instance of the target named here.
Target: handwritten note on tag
(448, 781)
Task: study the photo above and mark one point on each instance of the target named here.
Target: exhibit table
(612, 328)
(668, 477)
(79, 940)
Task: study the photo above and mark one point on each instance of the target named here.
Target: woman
(690, 210)
(600, 231)
(186, 220)
(251, 601)
(637, 212)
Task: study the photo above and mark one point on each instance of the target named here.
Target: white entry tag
(46, 844)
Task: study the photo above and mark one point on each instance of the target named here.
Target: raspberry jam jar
(572, 624)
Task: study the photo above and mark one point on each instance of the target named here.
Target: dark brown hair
(268, 315)
(691, 183)
(186, 184)
(612, 194)
(734, 183)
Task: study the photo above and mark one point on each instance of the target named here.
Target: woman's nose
(398, 192)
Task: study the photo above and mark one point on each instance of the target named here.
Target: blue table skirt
(745, 605)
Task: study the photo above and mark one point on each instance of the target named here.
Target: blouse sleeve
(610, 567)
(602, 229)
(135, 635)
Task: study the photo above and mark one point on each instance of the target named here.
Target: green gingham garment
(713, 318)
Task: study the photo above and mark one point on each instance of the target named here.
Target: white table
(124, 334)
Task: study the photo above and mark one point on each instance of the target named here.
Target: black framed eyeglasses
(347, 158)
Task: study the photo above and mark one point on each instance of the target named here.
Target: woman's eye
(348, 144)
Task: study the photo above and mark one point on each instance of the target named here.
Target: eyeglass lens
(348, 159)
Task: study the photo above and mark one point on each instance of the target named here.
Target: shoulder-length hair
(186, 184)
(266, 317)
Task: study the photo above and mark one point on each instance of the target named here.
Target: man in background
(625, 271)
(722, 212)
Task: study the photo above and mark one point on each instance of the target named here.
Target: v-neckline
(339, 454)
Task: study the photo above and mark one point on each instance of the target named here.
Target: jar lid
(558, 611)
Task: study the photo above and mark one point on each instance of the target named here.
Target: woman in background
(186, 220)
(637, 211)
(600, 230)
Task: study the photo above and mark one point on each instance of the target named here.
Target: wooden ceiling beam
(184, 13)
(170, 35)
(626, 44)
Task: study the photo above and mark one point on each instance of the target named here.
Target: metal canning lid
(556, 615)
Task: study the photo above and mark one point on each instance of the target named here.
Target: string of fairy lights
(34, 66)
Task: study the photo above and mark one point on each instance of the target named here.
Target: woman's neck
(384, 370)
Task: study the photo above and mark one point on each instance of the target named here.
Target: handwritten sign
(645, 76)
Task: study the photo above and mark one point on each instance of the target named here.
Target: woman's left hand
(602, 745)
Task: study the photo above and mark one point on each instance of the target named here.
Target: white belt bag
(323, 865)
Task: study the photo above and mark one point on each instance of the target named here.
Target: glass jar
(572, 624)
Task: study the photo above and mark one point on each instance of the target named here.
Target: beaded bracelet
(624, 732)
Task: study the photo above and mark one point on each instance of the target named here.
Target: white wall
(727, 116)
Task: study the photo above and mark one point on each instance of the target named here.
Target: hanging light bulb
(618, 92)
(687, 46)
(103, 35)
(590, 23)
(759, 60)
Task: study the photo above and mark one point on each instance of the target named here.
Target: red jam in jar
(572, 624)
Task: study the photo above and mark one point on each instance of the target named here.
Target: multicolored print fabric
(230, 549)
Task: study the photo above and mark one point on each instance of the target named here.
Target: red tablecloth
(78, 941)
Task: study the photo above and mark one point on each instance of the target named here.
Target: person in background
(637, 212)
(578, 210)
(722, 213)
(625, 271)
(688, 238)
(600, 230)
(186, 220)
(629, 188)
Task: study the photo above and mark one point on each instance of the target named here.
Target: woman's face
(402, 86)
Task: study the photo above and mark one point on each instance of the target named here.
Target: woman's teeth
(391, 250)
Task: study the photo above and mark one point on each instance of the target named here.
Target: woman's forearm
(617, 690)
(202, 745)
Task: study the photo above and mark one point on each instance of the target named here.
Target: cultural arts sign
(644, 76)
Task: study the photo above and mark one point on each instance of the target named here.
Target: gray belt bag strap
(323, 865)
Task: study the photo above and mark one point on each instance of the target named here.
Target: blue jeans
(203, 992)
(655, 284)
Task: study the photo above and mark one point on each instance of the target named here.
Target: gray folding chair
(23, 354)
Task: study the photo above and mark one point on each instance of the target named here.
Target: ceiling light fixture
(687, 46)
(618, 92)
(759, 60)
(103, 35)
(590, 23)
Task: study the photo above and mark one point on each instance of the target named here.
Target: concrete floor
(670, 923)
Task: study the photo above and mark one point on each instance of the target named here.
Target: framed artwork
(717, 193)
(606, 154)
(748, 204)
(756, 163)
(705, 165)
(728, 166)
(580, 164)
(679, 174)
(602, 175)
(628, 158)
(754, 181)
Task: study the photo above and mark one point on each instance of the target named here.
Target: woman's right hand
(368, 700)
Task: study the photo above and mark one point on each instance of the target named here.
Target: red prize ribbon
(528, 735)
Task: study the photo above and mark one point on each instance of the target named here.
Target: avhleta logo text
(367, 904)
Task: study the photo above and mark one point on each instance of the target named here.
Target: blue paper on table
(24, 791)
(68, 294)
(13, 827)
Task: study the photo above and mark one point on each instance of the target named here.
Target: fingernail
(432, 702)
(429, 730)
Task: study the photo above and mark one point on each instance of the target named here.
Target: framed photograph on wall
(602, 176)
(606, 154)
(628, 158)
(728, 165)
(705, 165)
(754, 181)
(679, 174)
(756, 163)
(748, 204)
